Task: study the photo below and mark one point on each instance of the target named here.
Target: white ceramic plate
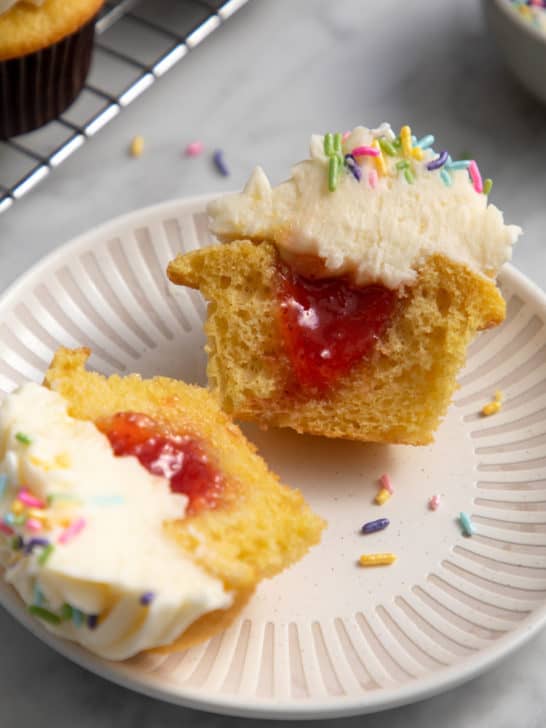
(326, 638)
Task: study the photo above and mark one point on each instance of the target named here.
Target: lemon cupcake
(45, 52)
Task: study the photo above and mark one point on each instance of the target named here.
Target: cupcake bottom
(38, 87)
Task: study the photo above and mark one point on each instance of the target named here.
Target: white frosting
(121, 553)
(6, 5)
(376, 233)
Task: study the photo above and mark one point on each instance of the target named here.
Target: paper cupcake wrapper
(38, 87)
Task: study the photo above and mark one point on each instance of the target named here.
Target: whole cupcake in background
(45, 53)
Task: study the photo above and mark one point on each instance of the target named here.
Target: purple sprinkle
(218, 159)
(147, 598)
(31, 545)
(440, 160)
(351, 164)
(92, 621)
(373, 526)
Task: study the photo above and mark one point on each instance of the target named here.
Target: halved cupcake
(343, 300)
(134, 513)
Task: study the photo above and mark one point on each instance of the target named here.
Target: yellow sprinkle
(379, 161)
(37, 513)
(417, 153)
(382, 496)
(137, 146)
(491, 408)
(405, 138)
(499, 396)
(377, 559)
(17, 507)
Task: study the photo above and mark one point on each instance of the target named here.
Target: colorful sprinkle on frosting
(390, 155)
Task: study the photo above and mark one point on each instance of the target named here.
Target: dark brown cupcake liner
(38, 87)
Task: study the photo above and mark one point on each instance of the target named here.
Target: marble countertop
(256, 88)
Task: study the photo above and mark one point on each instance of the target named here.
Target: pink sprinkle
(33, 524)
(385, 482)
(194, 149)
(29, 500)
(475, 176)
(372, 179)
(69, 533)
(434, 502)
(4, 528)
(345, 136)
(365, 152)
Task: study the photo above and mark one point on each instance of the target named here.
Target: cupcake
(45, 52)
(134, 514)
(342, 302)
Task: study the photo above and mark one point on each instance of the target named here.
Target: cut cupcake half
(342, 302)
(135, 515)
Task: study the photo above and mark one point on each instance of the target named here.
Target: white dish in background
(522, 45)
(325, 638)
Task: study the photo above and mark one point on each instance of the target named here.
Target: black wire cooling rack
(137, 41)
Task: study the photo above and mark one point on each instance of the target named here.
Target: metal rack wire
(136, 43)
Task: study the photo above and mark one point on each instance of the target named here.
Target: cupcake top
(5, 5)
(533, 11)
(82, 533)
(28, 26)
(371, 205)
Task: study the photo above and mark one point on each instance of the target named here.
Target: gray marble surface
(275, 72)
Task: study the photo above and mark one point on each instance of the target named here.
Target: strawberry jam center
(329, 325)
(181, 459)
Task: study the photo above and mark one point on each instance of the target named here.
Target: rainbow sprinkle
(382, 496)
(22, 438)
(219, 163)
(194, 149)
(434, 502)
(26, 498)
(404, 155)
(466, 524)
(44, 614)
(72, 531)
(491, 408)
(147, 598)
(373, 526)
(3, 483)
(386, 483)
(377, 559)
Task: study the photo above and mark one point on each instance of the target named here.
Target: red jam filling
(179, 458)
(329, 325)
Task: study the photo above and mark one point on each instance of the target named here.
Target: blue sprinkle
(425, 142)
(9, 519)
(218, 159)
(459, 164)
(3, 483)
(446, 177)
(147, 598)
(466, 524)
(38, 597)
(373, 526)
(77, 617)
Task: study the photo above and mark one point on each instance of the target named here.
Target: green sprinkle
(487, 185)
(328, 144)
(52, 497)
(397, 143)
(333, 172)
(44, 614)
(22, 438)
(387, 147)
(19, 520)
(46, 553)
(408, 174)
(337, 143)
(402, 164)
(66, 611)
